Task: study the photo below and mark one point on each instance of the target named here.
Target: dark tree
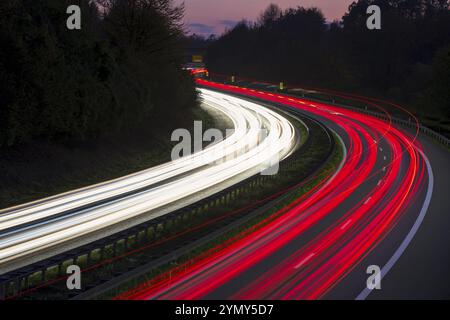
(298, 46)
(121, 71)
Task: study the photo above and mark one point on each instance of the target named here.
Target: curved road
(367, 213)
(38, 230)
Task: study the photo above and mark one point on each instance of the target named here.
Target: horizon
(212, 17)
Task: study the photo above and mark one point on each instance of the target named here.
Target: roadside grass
(315, 158)
(317, 150)
(247, 227)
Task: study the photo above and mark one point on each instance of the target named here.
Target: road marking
(346, 224)
(304, 261)
(367, 201)
(423, 212)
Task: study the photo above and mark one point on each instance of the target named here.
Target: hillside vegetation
(121, 71)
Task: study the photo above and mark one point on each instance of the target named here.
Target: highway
(38, 230)
(367, 213)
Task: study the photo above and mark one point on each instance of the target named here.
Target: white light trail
(38, 230)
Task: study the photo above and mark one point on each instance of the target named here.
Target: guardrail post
(25, 281)
(2, 291)
(114, 248)
(17, 285)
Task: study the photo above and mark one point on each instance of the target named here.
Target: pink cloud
(213, 13)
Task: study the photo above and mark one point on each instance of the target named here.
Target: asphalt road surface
(386, 206)
(39, 230)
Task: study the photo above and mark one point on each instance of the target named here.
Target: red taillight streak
(215, 270)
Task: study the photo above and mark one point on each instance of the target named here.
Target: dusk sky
(214, 16)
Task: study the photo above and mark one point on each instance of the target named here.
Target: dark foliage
(122, 70)
(404, 61)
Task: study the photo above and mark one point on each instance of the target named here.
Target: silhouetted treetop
(122, 70)
(299, 46)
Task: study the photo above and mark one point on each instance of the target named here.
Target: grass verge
(252, 225)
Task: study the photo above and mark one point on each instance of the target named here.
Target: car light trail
(386, 192)
(46, 227)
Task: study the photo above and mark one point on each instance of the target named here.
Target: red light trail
(385, 157)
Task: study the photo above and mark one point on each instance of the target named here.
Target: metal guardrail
(114, 248)
(407, 123)
(18, 277)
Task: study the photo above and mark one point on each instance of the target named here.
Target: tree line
(122, 70)
(407, 60)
